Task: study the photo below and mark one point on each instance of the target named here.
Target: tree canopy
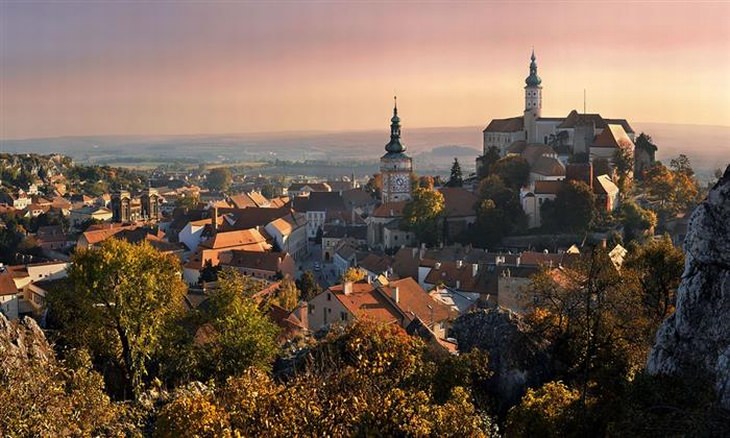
(514, 171)
(422, 213)
(220, 179)
(119, 299)
(456, 179)
(573, 209)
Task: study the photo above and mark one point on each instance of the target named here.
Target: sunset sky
(146, 67)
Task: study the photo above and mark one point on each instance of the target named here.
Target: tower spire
(533, 80)
(395, 145)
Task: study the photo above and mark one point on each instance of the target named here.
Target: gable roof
(365, 301)
(390, 209)
(575, 118)
(604, 185)
(319, 201)
(7, 284)
(458, 202)
(264, 261)
(548, 166)
(250, 199)
(512, 124)
(228, 239)
(376, 263)
(413, 301)
(245, 218)
(613, 136)
(315, 187)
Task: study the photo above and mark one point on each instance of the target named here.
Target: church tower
(533, 101)
(396, 167)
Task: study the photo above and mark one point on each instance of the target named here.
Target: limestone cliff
(516, 358)
(695, 340)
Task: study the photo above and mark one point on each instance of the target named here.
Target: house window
(329, 297)
(343, 316)
(311, 309)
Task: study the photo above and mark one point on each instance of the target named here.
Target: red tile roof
(512, 124)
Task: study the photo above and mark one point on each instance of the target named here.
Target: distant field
(432, 149)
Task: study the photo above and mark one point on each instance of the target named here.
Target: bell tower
(533, 101)
(395, 166)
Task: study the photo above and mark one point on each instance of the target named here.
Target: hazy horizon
(164, 68)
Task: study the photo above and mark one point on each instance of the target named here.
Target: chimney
(347, 288)
(458, 284)
(459, 264)
(474, 269)
(214, 219)
(414, 252)
(437, 265)
(396, 295)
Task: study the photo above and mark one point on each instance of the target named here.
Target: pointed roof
(395, 146)
(533, 80)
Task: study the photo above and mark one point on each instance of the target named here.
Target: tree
(644, 143)
(374, 186)
(219, 179)
(120, 298)
(422, 213)
(456, 179)
(681, 164)
(487, 161)
(499, 212)
(514, 171)
(354, 275)
(658, 265)
(238, 334)
(308, 286)
(548, 412)
(623, 160)
(636, 220)
(573, 209)
(287, 295)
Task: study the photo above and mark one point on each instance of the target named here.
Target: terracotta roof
(7, 285)
(512, 124)
(390, 209)
(414, 301)
(548, 187)
(250, 199)
(234, 238)
(576, 119)
(244, 218)
(98, 235)
(534, 151)
(264, 261)
(516, 147)
(548, 166)
(613, 136)
(285, 225)
(376, 263)
(458, 202)
(449, 273)
(365, 301)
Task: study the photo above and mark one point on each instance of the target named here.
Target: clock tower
(396, 167)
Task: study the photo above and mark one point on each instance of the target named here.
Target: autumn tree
(623, 160)
(658, 265)
(456, 179)
(354, 274)
(549, 411)
(118, 301)
(573, 209)
(287, 295)
(219, 179)
(514, 171)
(422, 214)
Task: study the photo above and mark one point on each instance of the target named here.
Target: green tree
(422, 214)
(623, 160)
(456, 179)
(487, 161)
(514, 171)
(658, 265)
(636, 220)
(573, 209)
(499, 212)
(238, 334)
(308, 286)
(220, 179)
(119, 300)
(681, 164)
(287, 295)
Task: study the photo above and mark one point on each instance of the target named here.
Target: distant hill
(432, 148)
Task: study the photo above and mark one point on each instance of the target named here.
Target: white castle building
(577, 133)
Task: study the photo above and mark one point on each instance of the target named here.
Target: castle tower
(395, 166)
(533, 101)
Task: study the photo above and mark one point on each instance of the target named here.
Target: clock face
(400, 183)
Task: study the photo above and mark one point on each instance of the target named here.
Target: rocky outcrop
(695, 340)
(516, 358)
(22, 341)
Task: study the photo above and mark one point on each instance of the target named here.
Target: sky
(189, 67)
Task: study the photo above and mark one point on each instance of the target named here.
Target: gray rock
(22, 341)
(695, 340)
(517, 359)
